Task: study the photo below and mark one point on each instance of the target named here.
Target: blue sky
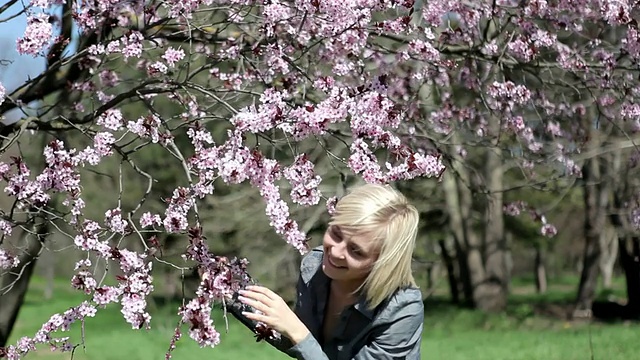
(21, 66)
(15, 69)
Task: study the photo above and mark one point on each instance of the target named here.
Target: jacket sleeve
(236, 308)
(308, 266)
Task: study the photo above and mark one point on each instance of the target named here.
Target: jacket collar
(315, 267)
(361, 306)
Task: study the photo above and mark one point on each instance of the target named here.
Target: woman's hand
(275, 312)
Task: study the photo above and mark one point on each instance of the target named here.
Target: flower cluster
(635, 218)
(147, 127)
(3, 93)
(57, 322)
(304, 181)
(220, 278)
(8, 260)
(36, 36)
(517, 207)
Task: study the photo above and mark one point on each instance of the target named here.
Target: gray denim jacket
(391, 331)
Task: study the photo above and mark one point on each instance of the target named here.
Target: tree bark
(458, 199)
(596, 201)
(630, 261)
(14, 284)
(609, 250)
(451, 272)
(491, 294)
(540, 271)
(625, 187)
(49, 274)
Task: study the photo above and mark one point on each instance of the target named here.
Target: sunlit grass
(450, 333)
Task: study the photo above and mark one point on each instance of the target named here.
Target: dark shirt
(393, 330)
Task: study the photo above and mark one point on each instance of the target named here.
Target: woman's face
(347, 257)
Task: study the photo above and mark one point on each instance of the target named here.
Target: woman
(357, 298)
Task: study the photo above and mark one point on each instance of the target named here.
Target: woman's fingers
(255, 296)
(263, 290)
(257, 317)
(255, 304)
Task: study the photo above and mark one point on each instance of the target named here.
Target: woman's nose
(338, 251)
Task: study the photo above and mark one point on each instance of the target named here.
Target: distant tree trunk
(609, 250)
(491, 294)
(626, 186)
(447, 259)
(540, 270)
(430, 283)
(596, 201)
(459, 201)
(49, 274)
(14, 284)
(630, 261)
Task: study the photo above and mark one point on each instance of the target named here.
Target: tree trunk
(14, 284)
(491, 293)
(630, 261)
(540, 271)
(626, 186)
(596, 199)
(49, 274)
(609, 250)
(459, 202)
(451, 272)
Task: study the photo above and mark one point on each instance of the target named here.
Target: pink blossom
(172, 56)
(84, 281)
(362, 160)
(331, 205)
(42, 3)
(109, 78)
(514, 208)
(132, 45)
(7, 260)
(111, 119)
(107, 294)
(147, 127)
(423, 50)
(114, 222)
(509, 91)
(3, 93)
(270, 113)
(635, 218)
(616, 11)
(548, 230)
(304, 181)
(149, 219)
(198, 315)
(5, 227)
(157, 68)
(36, 36)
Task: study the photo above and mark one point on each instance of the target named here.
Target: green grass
(450, 333)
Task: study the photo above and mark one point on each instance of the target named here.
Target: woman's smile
(331, 263)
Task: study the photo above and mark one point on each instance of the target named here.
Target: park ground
(529, 329)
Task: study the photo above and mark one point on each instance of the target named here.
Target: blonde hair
(386, 215)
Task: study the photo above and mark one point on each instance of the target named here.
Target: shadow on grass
(530, 310)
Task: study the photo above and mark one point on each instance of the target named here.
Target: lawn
(450, 333)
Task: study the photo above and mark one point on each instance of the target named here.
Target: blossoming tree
(391, 90)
